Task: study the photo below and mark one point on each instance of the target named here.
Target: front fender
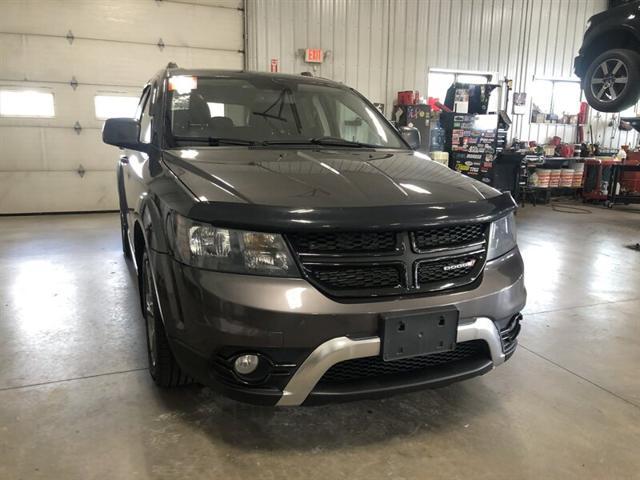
(153, 225)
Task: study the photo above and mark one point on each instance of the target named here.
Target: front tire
(612, 81)
(163, 367)
(124, 235)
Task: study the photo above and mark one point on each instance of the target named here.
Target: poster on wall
(519, 103)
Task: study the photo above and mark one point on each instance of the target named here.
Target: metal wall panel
(44, 164)
(383, 46)
(354, 34)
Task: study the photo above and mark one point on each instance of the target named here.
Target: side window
(145, 120)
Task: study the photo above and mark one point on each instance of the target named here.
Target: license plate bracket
(419, 333)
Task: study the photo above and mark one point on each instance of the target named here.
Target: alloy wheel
(149, 312)
(609, 80)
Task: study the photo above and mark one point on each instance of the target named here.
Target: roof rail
(172, 65)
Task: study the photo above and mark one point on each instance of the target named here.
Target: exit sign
(313, 55)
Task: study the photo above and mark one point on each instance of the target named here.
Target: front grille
(380, 263)
(448, 268)
(371, 367)
(343, 242)
(358, 277)
(450, 236)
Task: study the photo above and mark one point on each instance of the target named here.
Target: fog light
(246, 364)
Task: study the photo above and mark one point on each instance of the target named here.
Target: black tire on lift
(612, 81)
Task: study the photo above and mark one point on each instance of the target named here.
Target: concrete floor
(77, 403)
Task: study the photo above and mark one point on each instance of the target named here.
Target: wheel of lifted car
(163, 367)
(612, 81)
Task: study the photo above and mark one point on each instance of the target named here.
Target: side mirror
(123, 133)
(411, 135)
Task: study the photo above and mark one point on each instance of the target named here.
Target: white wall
(114, 51)
(383, 46)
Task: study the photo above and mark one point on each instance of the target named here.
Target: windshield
(272, 111)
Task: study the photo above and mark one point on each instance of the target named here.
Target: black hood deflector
(397, 217)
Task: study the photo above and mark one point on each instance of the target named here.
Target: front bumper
(342, 349)
(211, 316)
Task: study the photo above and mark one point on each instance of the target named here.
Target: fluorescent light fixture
(557, 79)
(26, 103)
(461, 72)
(115, 106)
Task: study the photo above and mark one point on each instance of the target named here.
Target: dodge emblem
(458, 266)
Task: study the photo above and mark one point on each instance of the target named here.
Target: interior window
(555, 101)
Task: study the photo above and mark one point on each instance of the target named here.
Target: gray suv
(292, 247)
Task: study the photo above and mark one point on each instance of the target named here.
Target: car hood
(320, 189)
(320, 177)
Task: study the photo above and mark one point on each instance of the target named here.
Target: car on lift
(608, 62)
(291, 247)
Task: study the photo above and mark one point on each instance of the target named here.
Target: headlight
(502, 238)
(226, 250)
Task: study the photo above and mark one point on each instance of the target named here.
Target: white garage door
(70, 52)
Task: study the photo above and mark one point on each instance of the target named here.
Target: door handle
(124, 160)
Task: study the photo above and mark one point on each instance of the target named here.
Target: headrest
(221, 123)
(199, 113)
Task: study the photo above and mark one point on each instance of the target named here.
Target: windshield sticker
(180, 102)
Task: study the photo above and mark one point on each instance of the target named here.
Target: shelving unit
(534, 192)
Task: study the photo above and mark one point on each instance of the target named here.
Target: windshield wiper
(215, 141)
(332, 141)
(341, 142)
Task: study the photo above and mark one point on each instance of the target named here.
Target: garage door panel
(56, 149)
(21, 149)
(70, 105)
(237, 4)
(65, 150)
(189, 25)
(28, 192)
(114, 52)
(99, 62)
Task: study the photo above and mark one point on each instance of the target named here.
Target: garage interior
(75, 394)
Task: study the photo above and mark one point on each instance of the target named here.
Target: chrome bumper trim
(340, 349)
(483, 328)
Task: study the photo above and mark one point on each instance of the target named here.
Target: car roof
(208, 72)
